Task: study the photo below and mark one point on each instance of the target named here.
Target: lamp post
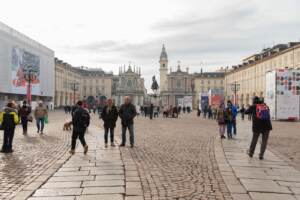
(74, 87)
(29, 74)
(235, 87)
(193, 89)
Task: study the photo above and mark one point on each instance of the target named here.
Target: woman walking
(221, 120)
(40, 113)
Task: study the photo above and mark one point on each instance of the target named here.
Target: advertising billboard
(283, 93)
(24, 63)
(288, 93)
(271, 93)
(204, 100)
(19, 55)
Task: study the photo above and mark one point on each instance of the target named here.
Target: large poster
(271, 93)
(288, 93)
(25, 65)
(204, 100)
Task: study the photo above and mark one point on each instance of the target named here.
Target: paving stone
(256, 185)
(134, 198)
(71, 178)
(72, 173)
(101, 197)
(109, 177)
(102, 183)
(103, 190)
(53, 198)
(58, 192)
(51, 185)
(271, 196)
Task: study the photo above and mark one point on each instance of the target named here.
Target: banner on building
(25, 66)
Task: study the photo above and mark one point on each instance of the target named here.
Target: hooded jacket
(12, 113)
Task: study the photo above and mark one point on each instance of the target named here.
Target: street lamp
(235, 87)
(29, 75)
(74, 87)
(193, 90)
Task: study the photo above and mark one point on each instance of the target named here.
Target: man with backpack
(80, 122)
(8, 121)
(261, 125)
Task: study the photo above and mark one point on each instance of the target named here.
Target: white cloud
(111, 33)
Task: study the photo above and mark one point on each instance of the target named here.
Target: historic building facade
(95, 85)
(129, 83)
(173, 85)
(206, 81)
(250, 76)
(74, 83)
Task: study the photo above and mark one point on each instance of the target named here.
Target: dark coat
(258, 125)
(127, 113)
(109, 117)
(80, 119)
(24, 111)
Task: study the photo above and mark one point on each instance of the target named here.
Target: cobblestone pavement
(175, 158)
(284, 139)
(251, 178)
(99, 175)
(33, 154)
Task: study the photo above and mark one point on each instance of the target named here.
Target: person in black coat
(109, 116)
(127, 114)
(259, 127)
(80, 122)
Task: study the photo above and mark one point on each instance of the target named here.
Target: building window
(178, 84)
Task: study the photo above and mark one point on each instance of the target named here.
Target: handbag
(46, 120)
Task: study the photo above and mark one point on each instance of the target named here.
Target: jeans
(229, 129)
(112, 132)
(264, 141)
(24, 122)
(8, 139)
(234, 126)
(222, 129)
(77, 134)
(131, 134)
(40, 124)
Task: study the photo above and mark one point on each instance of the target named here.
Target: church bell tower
(163, 69)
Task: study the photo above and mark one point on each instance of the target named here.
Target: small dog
(67, 126)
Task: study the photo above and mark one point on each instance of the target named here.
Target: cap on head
(24, 102)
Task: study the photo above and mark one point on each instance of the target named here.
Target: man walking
(127, 113)
(80, 122)
(261, 125)
(24, 113)
(40, 113)
(109, 116)
(8, 121)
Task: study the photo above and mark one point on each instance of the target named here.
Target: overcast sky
(110, 33)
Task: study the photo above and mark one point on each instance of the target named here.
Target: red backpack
(262, 112)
